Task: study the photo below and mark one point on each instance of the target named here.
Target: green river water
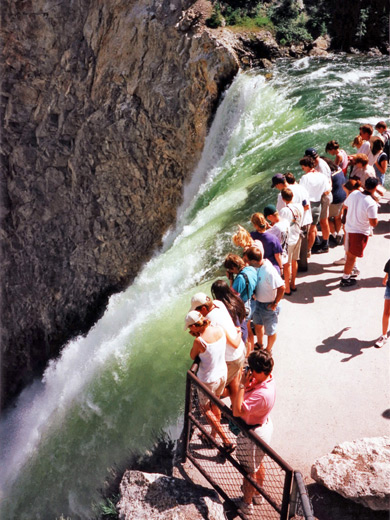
(110, 392)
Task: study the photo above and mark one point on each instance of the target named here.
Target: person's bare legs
(311, 236)
(259, 329)
(251, 339)
(325, 228)
(287, 275)
(294, 271)
(386, 318)
(248, 490)
(332, 226)
(337, 224)
(233, 387)
(271, 342)
(213, 416)
(349, 263)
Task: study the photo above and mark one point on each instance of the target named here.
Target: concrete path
(333, 385)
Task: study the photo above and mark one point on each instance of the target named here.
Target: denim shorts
(387, 293)
(264, 316)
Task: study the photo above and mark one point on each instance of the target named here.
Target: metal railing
(283, 491)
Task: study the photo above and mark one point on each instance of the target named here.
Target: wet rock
(358, 470)
(158, 497)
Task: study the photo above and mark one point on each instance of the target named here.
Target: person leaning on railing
(209, 347)
(253, 403)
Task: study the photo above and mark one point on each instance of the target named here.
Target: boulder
(321, 46)
(157, 497)
(358, 470)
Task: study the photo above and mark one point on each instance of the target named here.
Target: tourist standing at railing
(216, 312)
(221, 291)
(269, 291)
(209, 346)
(254, 402)
(272, 248)
(243, 280)
(361, 215)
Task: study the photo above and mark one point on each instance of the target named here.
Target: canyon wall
(105, 108)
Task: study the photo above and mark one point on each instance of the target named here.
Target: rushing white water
(111, 391)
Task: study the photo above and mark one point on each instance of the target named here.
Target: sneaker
(381, 341)
(347, 282)
(245, 508)
(339, 262)
(258, 499)
(355, 272)
(324, 249)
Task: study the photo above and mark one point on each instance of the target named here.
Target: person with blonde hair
(272, 247)
(243, 239)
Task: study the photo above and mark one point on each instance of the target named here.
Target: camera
(247, 369)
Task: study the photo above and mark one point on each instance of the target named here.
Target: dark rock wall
(105, 107)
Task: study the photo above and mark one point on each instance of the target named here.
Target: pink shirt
(258, 402)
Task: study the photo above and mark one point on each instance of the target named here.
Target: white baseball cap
(198, 300)
(192, 318)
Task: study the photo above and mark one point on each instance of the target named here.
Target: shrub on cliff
(216, 19)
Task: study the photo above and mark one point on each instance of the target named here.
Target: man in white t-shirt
(316, 185)
(326, 199)
(362, 215)
(269, 291)
(293, 213)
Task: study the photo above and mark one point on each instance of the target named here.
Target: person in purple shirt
(272, 247)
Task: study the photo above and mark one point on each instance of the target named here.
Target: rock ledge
(358, 470)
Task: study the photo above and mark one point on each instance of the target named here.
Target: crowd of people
(236, 330)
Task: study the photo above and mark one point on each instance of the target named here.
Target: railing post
(286, 495)
(304, 497)
(186, 427)
(293, 498)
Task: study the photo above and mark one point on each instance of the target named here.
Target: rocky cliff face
(105, 107)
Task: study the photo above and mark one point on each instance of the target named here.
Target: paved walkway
(333, 385)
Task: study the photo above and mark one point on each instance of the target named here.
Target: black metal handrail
(294, 495)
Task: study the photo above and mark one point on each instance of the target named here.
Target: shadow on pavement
(384, 207)
(351, 346)
(308, 291)
(382, 228)
(386, 414)
(329, 505)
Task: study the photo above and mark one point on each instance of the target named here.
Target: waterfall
(112, 390)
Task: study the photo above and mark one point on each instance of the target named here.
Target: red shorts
(357, 243)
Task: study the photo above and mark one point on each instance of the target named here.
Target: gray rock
(158, 497)
(358, 470)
